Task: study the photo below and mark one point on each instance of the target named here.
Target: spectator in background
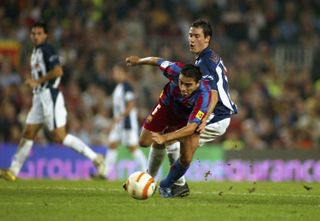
(8, 76)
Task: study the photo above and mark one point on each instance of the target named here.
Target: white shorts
(48, 108)
(127, 137)
(214, 130)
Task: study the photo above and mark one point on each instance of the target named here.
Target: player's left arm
(136, 60)
(195, 118)
(212, 105)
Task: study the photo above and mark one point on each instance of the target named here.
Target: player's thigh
(214, 130)
(145, 138)
(36, 113)
(31, 130)
(59, 134)
(158, 119)
(55, 113)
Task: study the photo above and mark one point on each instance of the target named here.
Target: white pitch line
(192, 192)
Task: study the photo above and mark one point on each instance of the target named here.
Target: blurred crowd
(270, 47)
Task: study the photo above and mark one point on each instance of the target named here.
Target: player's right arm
(136, 60)
(171, 70)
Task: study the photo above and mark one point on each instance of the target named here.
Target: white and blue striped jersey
(122, 94)
(214, 71)
(43, 60)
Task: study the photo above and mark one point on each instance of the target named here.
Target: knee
(27, 134)
(185, 161)
(57, 139)
(144, 143)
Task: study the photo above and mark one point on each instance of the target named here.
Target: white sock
(140, 158)
(79, 146)
(20, 156)
(173, 152)
(155, 160)
(110, 160)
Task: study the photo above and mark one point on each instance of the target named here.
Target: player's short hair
(191, 71)
(205, 25)
(40, 24)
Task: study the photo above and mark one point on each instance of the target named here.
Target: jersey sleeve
(208, 69)
(171, 70)
(201, 106)
(50, 56)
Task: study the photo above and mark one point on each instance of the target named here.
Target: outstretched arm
(135, 60)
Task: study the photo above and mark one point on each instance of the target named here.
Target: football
(140, 185)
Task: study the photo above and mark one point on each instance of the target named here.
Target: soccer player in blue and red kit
(182, 106)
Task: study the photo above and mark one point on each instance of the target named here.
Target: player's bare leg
(22, 152)
(60, 135)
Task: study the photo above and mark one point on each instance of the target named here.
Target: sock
(20, 156)
(176, 171)
(140, 158)
(173, 152)
(155, 160)
(110, 160)
(79, 146)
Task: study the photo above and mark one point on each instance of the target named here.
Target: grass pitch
(102, 200)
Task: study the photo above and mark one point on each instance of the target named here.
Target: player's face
(118, 74)
(187, 85)
(38, 36)
(197, 41)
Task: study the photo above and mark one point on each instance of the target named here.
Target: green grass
(101, 200)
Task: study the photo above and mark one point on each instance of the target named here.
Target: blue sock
(177, 170)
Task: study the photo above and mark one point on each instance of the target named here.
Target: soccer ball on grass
(140, 185)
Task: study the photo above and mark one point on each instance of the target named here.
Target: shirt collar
(203, 53)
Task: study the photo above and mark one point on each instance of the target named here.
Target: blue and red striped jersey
(194, 107)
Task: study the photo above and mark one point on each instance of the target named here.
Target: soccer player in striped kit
(48, 106)
(125, 126)
(221, 105)
(182, 106)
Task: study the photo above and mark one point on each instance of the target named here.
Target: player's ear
(207, 39)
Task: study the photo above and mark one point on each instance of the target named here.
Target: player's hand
(132, 60)
(116, 120)
(31, 82)
(201, 127)
(158, 138)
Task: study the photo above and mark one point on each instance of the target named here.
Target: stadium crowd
(270, 47)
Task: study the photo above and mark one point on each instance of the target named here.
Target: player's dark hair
(191, 71)
(40, 24)
(205, 25)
